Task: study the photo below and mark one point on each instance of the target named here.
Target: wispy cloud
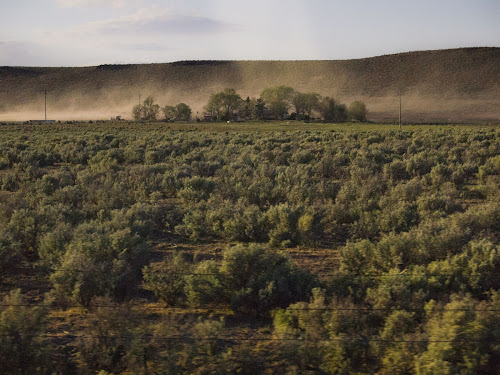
(152, 47)
(153, 34)
(91, 3)
(20, 53)
(154, 21)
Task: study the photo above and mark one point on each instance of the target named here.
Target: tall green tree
(258, 109)
(147, 110)
(278, 99)
(170, 112)
(357, 111)
(215, 105)
(222, 104)
(179, 112)
(231, 101)
(183, 112)
(305, 103)
(247, 108)
(327, 109)
(136, 112)
(331, 111)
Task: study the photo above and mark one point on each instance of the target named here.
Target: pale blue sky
(92, 32)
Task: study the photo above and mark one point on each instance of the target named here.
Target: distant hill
(456, 84)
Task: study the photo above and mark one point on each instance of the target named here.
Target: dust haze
(450, 85)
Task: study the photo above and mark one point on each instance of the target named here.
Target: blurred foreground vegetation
(412, 215)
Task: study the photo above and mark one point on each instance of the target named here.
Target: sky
(95, 32)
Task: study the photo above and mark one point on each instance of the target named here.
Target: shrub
(311, 226)
(167, 279)
(440, 174)
(23, 349)
(248, 224)
(283, 226)
(358, 257)
(100, 261)
(10, 257)
(53, 244)
(196, 189)
(112, 341)
(258, 280)
(463, 340)
(206, 286)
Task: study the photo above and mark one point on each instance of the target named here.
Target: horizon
(250, 60)
(79, 33)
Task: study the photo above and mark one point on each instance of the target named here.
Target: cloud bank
(91, 3)
(12, 52)
(154, 22)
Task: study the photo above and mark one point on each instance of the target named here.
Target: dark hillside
(458, 84)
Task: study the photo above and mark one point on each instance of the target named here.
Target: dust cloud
(448, 85)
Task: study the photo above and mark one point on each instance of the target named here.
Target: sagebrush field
(278, 248)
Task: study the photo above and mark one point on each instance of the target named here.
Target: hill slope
(457, 84)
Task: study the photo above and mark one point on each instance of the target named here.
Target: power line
(231, 338)
(409, 275)
(45, 91)
(195, 308)
(333, 275)
(382, 309)
(399, 109)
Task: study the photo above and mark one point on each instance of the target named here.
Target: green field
(274, 248)
(234, 126)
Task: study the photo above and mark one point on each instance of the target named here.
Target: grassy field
(290, 126)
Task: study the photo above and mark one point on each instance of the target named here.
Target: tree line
(148, 110)
(274, 103)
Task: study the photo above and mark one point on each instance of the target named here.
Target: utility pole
(399, 109)
(45, 91)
